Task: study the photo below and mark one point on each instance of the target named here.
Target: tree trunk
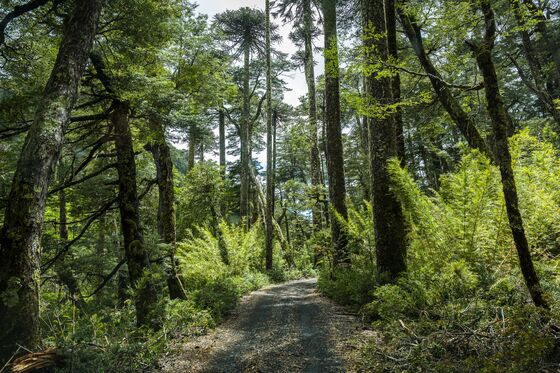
(23, 220)
(166, 205)
(269, 176)
(136, 255)
(334, 151)
(389, 223)
(465, 124)
(314, 160)
(63, 271)
(498, 115)
(244, 137)
(222, 140)
(391, 26)
(192, 150)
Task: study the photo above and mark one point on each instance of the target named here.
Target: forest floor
(281, 328)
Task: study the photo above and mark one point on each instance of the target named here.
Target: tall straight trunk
(389, 223)
(244, 137)
(269, 176)
(498, 115)
(135, 251)
(392, 46)
(314, 160)
(365, 178)
(334, 151)
(274, 153)
(23, 220)
(166, 205)
(191, 151)
(62, 269)
(222, 140)
(464, 123)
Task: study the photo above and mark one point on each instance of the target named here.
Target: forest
(279, 186)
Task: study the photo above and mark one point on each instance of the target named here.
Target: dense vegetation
(152, 173)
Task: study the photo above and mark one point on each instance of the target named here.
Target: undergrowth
(106, 339)
(463, 305)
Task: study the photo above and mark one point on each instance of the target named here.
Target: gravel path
(281, 328)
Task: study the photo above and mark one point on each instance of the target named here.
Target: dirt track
(281, 328)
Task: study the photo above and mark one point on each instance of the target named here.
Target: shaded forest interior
(156, 166)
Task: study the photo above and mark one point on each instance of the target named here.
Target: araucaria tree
(245, 30)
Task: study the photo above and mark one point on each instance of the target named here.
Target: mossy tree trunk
(392, 46)
(269, 177)
(314, 159)
(389, 223)
(23, 220)
(498, 115)
(334, 151)
(166, 204)
(136, 254)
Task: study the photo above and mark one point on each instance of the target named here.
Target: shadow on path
(282, 328)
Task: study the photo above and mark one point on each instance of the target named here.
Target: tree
(482, 51)
(334, 151)
(23, 220)
(390, 230)
(245, 31)
(136, 255)
(302, 11)
(269, 177)
(166, 203)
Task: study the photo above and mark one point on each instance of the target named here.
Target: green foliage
(213, 284)
(463, 304)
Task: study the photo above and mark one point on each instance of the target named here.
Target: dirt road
(281, 328)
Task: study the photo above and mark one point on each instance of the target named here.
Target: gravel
(281, 328)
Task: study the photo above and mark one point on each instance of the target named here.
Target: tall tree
(166, 205)
(482, 51)
(302, 12)
(334, 151)
(136, 255)
(244, 28)
(269, 160)
(390, 230)
(23, 220)
(392, 46)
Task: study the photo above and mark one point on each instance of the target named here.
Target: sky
(294, 79)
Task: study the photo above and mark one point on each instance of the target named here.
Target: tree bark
(222, 140)
(245, 138)
(314, 160)
(269, 176)
(23, 220)
(498, 115)
(389, 223)
(136, 254)
(334, 151)
(465, 124)
(392, 46)
(166, 205)
(191, 151)
(63, 271)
